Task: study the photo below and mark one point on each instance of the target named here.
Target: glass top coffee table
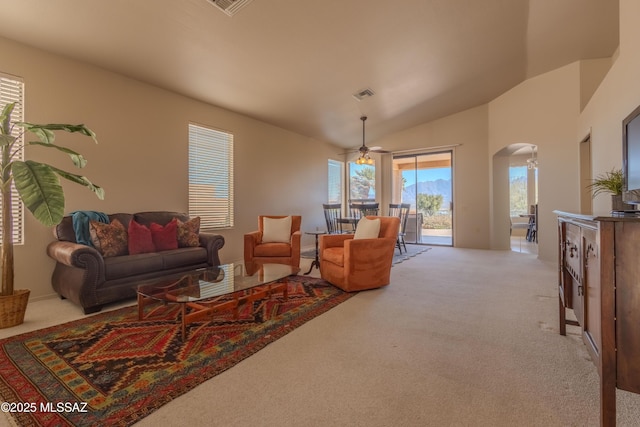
(199, 291)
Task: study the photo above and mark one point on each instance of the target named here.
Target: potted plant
(610, 182)
(38, 186)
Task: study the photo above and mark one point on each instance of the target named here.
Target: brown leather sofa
(359, 264)
(90, 280)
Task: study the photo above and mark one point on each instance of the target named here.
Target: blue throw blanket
(81, 224)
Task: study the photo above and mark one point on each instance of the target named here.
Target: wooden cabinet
(591, 282)
(599, 279)
(628, 306)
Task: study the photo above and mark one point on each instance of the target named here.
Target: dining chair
(401, 210)
(532, 233)
(369, 209)
(332, 216)
(358, 210)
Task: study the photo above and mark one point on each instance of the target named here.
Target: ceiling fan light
(532, 163)
(364, 151)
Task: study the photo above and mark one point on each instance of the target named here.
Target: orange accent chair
(359, 264)
(274, 252)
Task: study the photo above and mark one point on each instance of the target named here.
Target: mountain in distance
(439, 186)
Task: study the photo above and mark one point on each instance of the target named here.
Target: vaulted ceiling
(296, 63)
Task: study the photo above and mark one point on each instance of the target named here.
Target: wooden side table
(316, 261)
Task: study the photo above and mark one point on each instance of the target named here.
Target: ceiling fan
(364, 150)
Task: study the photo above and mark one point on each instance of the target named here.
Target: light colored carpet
(460, 338)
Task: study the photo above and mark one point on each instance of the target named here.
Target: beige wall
(541, 111)
(592, 72)
(615, 98)
(141, 158)
(471, 173)
(556, 111)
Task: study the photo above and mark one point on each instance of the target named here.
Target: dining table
(348, 220)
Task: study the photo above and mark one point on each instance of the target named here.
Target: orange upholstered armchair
(358, 262)
(277, 241)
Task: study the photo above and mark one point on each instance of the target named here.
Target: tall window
(362, 182)
(336, 173)
(12, 90)
(211, 176)
(518, 190)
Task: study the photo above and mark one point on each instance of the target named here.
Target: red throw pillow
(140, 240)
(165, 238)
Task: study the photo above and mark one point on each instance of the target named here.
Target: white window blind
(335, 174)
(211, 177)
(12, 90)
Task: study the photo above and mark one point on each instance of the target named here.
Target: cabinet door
(564, 279)
(627, 253)
(573, 266)
(591, 288)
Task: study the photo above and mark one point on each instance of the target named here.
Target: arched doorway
(523, 199)
(515, 198)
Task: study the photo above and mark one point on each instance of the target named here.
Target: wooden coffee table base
(206, 309)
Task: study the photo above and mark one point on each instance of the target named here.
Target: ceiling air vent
(230, 7)
(362, 94)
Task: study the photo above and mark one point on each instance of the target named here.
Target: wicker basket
(13, 307)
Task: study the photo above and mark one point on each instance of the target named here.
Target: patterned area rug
(112, 370)
(412, 250)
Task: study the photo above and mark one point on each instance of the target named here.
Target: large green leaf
(5, 118)
(6, 139)
(46, 135)
(40, 190)
(79, 179)
(77, 158)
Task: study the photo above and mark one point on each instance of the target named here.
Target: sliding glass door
(425, 182)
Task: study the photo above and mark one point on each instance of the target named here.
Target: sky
(517, 172)
(426, 175)
(442, 173)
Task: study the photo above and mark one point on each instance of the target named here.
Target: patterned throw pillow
(188, 232)
(109, 239)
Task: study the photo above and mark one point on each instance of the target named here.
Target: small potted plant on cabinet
(38, 186)
(610, 182)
